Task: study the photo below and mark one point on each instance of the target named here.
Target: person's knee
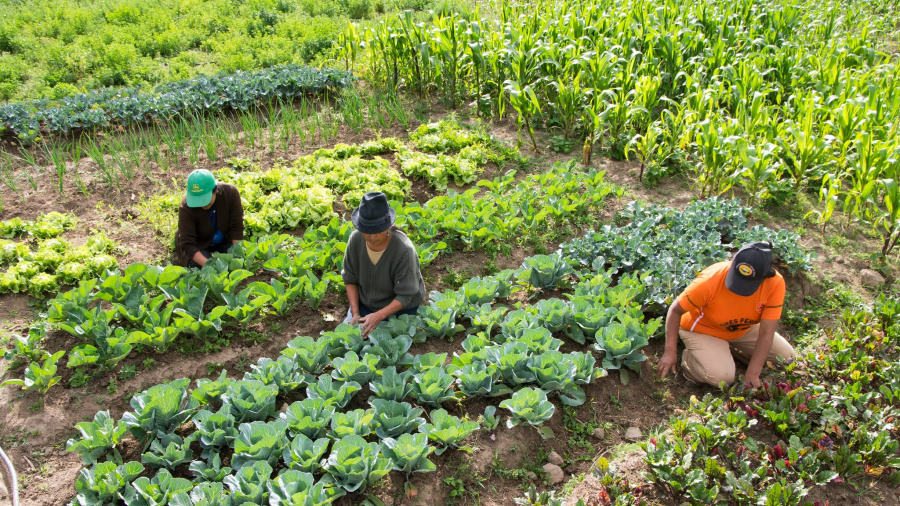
(711, 374)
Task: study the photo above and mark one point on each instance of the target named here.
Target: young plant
(530, 406)
(354, 464)
(409, 453)
(447, 430)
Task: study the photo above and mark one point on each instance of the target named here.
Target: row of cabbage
(153, 306)
(775, 97)
(36, 260)
(123, 106)
(319, 447)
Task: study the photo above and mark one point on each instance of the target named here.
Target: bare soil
(33, 431)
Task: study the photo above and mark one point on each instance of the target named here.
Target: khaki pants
(707, 359)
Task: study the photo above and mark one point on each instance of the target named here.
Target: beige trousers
(708, 359)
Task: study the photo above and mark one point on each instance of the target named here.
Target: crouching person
(210, 219)
(730, 308)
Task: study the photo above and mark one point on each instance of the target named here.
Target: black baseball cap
(751, 265)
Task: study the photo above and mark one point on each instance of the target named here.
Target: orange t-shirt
(715, 310)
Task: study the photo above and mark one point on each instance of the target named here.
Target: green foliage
(97, 437)
(103, 482)
(530, 405)
(447, 430)
(159, 409)
(409, 453)
(354, 464)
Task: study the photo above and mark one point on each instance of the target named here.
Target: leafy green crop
(169, 451)
(293, 487)
(159, 409)
(360, 422)
(391, 385)
(544, 271)
(334, 392)
(530, 406)
(305, 454)
(409, 453)
(103, 482)
(354, 464)
(250, 483)
(250, 400)
(309, 417)
(156, 492)
(394, 418)
(39, 377)
(433, 387)
(97, 437)
(447, 430)
(259, 441)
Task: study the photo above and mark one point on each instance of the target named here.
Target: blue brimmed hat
(374, 214)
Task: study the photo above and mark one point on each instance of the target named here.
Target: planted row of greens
(303, 193)
(140, 306)
(43, 261)
(238, 91)
(317, 448)
(773, 96)
(668, 247)
(833, 419)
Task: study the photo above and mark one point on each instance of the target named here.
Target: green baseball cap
(200, 185)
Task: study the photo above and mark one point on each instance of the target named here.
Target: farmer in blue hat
(210, 219)
(381, 266)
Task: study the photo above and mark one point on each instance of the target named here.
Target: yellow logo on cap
(745, 270)
(196, 187)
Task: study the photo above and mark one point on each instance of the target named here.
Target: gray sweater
(396, 276)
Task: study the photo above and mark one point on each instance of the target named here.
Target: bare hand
(369, 322)
(354, 319)
(752, 380)
(666, 364)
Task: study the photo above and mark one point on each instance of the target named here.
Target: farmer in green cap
(210, 219)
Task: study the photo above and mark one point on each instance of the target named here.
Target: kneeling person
(731, 307)
(210, 219)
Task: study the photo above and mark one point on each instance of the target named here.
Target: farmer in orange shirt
(731, 307)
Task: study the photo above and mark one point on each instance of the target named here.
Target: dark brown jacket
(194, 231)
